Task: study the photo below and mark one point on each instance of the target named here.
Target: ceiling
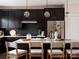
(21, 4)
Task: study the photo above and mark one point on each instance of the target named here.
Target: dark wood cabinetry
(4, 19)
(2, 45)
(35, 15)
(55, 13)
(14, 19)
(11, 18)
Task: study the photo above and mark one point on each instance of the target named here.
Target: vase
(42, 33)
(13, 32)
(52, 35)
(28, 36)
(55, 35)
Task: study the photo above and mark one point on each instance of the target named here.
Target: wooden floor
(3, 56)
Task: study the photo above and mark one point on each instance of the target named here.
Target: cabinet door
(14, 19)
(58, 14)
(55, 13)
(4, 19)
(0, 18)
(2, 45)
(73, 7)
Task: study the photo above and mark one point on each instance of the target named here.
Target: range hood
(28, 21)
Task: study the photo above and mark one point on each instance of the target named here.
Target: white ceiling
(31, 3)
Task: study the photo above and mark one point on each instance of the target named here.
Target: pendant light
(26, 13)
(47, 13)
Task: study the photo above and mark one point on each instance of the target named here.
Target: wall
(33, 4)
(72, 20)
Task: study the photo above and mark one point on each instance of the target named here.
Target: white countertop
(27, 41)
(45, 41)
(1, 36)
(36, 40)
(22, 36)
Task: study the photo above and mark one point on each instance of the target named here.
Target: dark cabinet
(55, 13)
(35, 15)
(4, 20)
(2, 45)
(14, 19)
(10, 19)
(40, 19)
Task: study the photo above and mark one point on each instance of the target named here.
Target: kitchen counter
(45, 41)
(25, 36)
(66, 40)
(36, 40)
(1, 36)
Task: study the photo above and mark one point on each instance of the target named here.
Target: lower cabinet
(2, 45)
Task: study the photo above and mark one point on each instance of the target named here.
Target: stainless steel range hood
(29, 22)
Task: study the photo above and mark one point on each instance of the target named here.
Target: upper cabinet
(35, 15)
(55, 13)
(1, 14)
(56, 2)
(72, 19)
(32, 4)
(71, 6)
(14, 19)
(4, 19)
(11, 19)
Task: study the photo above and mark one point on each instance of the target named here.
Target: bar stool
(15, 52)
(73, 52)
(54, 50)
(36, 48)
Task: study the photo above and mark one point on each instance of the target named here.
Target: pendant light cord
(46, 3)
(26, 4)
(26, 13)
(47, 13)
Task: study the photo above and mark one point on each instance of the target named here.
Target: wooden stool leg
(47, 56)
(66, 55)
(6, 56)
(42, 56)
(70, 57)
(16, 57)
(50, 57)
(29, 57)
(63, 56)
(26, 56)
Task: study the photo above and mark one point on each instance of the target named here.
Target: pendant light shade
(26, 13)
(47, 13)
